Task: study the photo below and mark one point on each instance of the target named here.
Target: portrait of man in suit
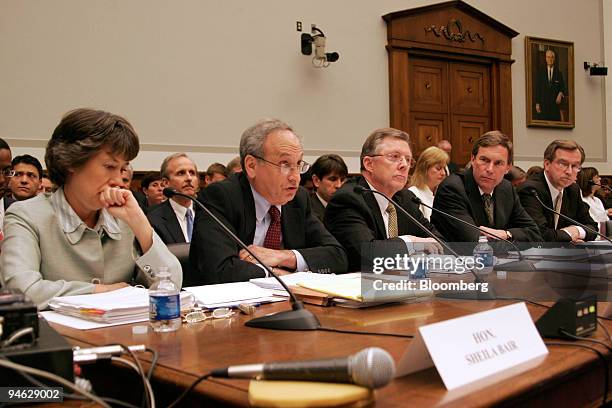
(481, 196)
(550, 90)
(268, 210)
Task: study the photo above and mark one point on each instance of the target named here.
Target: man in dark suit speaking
(556, 186)
(264, 207)
(367, 224)
(482, 196)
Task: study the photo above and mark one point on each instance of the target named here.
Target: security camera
(595, 69)
(321, 59)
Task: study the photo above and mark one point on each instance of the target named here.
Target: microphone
(453, 294)
(534, 193)
(520, 265)
(296, 319)
(371, 367)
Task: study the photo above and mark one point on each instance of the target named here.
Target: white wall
(191, 75)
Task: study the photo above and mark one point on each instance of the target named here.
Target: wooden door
(448, 100)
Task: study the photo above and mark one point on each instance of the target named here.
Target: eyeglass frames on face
(396, 157)
(563, 165)
(286, 168)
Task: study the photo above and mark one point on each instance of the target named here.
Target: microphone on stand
(372, 367)
(490, 295)
(534, 193)
(296, 319)
(521, 265)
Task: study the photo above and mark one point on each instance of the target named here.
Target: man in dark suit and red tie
(549, 90)
(265, 207)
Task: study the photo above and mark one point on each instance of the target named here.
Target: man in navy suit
(265, 207)
(174, 218)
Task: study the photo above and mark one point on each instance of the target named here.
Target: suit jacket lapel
(374, 209)
(171, 223)
(471, 188)
(248, 215)
(290, 226)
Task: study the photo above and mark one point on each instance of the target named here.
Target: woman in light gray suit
(90, 235)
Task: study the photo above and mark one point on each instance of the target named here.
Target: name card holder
(498, 342)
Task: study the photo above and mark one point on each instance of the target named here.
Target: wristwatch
(509, 234)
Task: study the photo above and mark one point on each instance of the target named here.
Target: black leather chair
(181, 251)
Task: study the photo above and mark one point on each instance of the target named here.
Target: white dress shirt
(383, 203)
(553, 194)
(596, 208)
(181, 216)
(262, 222)
(426, 196)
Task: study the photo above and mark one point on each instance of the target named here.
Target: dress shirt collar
(482, 192)
(74, 227)
(262, 206)
(179, 210)
(383, 203)
(321, 199)
(553, 191)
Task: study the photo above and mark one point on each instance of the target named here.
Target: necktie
(189, 218)
(393, 233)
(558, 202)
(549, 74)
(273, 235)
(488, 206)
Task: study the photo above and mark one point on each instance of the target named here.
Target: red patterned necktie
(273, 236)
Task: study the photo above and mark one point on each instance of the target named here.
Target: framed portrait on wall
(549, 73)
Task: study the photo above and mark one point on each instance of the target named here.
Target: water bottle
(164, 303)
(483, 255)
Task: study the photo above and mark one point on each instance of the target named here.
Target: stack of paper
(231, 294)
(118, 306)
(292, 279)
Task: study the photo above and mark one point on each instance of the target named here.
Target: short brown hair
(375, 139)
(216, 168)
(549, 153)
(81, 134)
(164, 166)
(493, 138)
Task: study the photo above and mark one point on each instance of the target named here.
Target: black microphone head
(359, 189)
(169, 192)
(416, 200)
(532, 191)
(372, 367)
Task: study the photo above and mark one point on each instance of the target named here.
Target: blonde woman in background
(429, 172)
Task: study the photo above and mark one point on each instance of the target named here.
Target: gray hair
(167, 160)
(375, 139)
(254, 137)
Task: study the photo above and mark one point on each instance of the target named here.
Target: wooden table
(567, 377)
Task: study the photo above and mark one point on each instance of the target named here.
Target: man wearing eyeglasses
(481, 196)
(556, 186)
(266, 209)
(25, 180)
(367, 224)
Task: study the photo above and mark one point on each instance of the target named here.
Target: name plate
(474, 347)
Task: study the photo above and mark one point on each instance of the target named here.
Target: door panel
(465, 131)
(470, 89)
(427, 129)
(428, 85)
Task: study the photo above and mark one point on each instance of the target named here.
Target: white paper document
(230, 294)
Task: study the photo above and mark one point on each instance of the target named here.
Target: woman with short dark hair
(89, 236)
